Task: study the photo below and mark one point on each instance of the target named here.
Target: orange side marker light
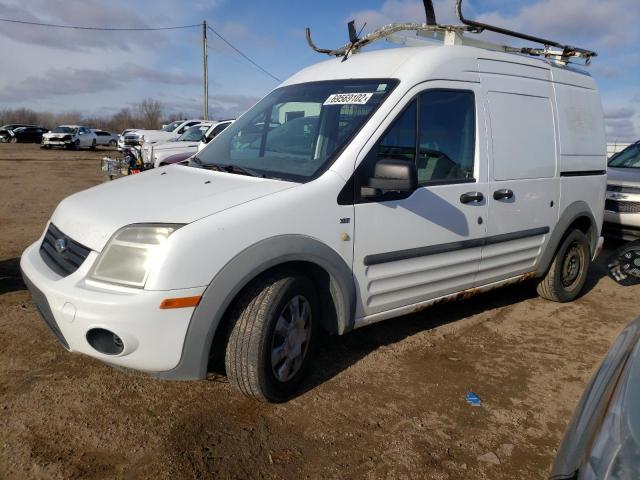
(180, 302)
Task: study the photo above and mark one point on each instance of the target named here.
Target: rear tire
(274, 330)
(568, 273)
(113, 143)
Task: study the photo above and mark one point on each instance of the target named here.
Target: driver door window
(436, 131)
(447, 136)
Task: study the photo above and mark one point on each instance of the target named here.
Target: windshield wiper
(230, 169)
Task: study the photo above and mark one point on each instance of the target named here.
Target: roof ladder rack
(455, 35)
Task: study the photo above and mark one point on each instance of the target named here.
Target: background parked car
(106, 138)
(176, 158)
(187, 142)
(70, 136)
(622, 207)
(602, 442)
(121, 138)
(168, 132)
(26, 134)
(213, 132)
(5, 130)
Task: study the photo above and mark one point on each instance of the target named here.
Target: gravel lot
(386, 401)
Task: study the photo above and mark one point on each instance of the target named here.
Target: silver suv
(622, 207)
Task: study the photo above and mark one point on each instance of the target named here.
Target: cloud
(620, 123)
(72, 81)
(73, 12)
(394, 11)
(610, 23)
(221, 106)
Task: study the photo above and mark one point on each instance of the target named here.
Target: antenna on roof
(454, 35)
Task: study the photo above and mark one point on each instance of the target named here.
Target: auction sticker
(348, 99)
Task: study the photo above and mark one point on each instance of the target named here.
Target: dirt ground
(387, 401)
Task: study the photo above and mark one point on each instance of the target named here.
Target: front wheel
(93, 145)
(273, 336)
(568, 272)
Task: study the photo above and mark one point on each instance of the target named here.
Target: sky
(98, 73)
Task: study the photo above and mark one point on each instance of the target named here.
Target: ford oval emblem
(61, 245)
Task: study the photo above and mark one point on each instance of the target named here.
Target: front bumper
(624, 226)
(55, 142)
(153, 338)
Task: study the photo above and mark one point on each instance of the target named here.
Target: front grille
(622, 207)
(133, 141)
(63, 261)
(623, 189)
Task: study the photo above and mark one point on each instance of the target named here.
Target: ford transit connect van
(357, 191)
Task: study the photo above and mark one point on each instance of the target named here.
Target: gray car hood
(624, 176)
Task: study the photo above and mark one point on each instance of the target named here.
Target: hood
(623, 176)
(156, 137)
(57, 135)
(175, 194)
(166, 146)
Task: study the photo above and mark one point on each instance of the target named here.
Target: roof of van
(426, 62)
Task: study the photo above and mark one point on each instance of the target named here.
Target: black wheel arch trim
(572, 213)
(241, 270)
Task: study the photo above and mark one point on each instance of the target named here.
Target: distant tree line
(149, 113)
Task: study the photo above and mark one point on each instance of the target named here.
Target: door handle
(471, 197)
(505, 193)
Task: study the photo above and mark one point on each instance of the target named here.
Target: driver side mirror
(204, 139)
(392, 176)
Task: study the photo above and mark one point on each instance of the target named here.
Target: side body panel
(425, 246)
(523, 166)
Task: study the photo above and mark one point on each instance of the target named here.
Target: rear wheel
(568, 272)
(113, 143)
(273, 336)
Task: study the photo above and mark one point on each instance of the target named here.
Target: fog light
(105, 342)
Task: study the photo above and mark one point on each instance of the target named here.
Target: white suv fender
(245, 267)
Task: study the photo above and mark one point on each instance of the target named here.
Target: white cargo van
(363, 188)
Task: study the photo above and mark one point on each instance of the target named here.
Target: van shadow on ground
(10, 277)
(339, 353)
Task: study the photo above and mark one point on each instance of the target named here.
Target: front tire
(274, 331)
(93, 145)
(568, 272)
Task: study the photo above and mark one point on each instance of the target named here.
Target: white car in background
(121, 138)
(70, 136)
(213, 132)
(105, 138)
(187, 142)
(172, 131)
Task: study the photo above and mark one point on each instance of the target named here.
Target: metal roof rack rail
(454, 35)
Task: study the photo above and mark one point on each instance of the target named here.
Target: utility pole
(205, 76)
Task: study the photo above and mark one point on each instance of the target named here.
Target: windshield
(628, 158)
(172, 126)
(295, 132)
(193, 134)
(64, 130)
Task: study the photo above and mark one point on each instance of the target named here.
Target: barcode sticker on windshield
(348, 99)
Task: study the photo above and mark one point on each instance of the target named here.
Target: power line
(104, 29)
(142, 29)
(246, 57)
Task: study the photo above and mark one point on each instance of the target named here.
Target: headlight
(131, 254)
